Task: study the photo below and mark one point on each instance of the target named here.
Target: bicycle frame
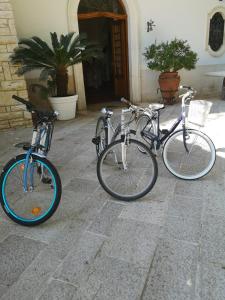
(157, 138)
(40, 145)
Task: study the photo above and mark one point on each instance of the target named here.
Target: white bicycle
(123, 171)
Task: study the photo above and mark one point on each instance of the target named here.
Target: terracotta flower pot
(169, 83)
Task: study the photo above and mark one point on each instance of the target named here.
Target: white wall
(186, 19)
(40, 17)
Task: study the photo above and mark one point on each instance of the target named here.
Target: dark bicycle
(30, 184)
(187, 153)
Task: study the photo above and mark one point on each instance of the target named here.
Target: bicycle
(105, 132)
(30, 186)
(188, 154)
(123, 171)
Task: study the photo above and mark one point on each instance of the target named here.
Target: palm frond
(65, 40)
(55, 41)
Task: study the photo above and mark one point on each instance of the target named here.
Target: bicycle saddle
(156, 106)
(107, 111)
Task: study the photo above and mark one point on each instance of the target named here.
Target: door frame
(134, 53)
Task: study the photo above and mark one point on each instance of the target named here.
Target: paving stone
(79, 258)
(152, 212)
(66, 239)
(181, 206)
(3, 289)
(5, 228)
(214, 197)
(185, 228)
(59, 290)
(158, 192)
(212, 281)
(134, 242)
(213, 239)
(83, 207)
(34, 279)
(110, 278)
(192, 189)
(173, 271)
(82, 185)
(16, 254)
(105, 219)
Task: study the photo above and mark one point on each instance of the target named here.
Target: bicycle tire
(183, 164)
(16, 212)
(101, 128)
(147, 164)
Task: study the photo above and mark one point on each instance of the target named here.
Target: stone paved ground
(170, 245)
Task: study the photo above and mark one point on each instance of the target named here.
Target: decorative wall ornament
(150, 25)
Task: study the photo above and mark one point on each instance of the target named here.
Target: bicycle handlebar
(132, 107)
(23, 101)
(30, 107)
(189, 94)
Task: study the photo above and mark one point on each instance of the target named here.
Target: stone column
(12, 114)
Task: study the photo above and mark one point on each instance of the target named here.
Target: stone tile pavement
(170, 245)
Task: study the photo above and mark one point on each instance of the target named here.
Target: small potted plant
(54, 62)
(169, 58)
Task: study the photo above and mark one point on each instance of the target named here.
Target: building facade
(12, 114)
(145, 21)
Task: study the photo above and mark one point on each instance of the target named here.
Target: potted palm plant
(53, 62)
(169, 58)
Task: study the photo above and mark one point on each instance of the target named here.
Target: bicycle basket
(198, 112)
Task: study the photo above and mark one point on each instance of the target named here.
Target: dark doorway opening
(105, 23)
(98, 74)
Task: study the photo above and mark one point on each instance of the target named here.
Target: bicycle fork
(124, 142)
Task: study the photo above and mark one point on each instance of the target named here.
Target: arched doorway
(105, 23)
(134, 50)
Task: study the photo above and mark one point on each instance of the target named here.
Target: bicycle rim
(131, 183)
(35, 204)
(101, 133)
(195, 163)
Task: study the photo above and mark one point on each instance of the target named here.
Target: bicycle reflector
(36, 211)
(22, 167)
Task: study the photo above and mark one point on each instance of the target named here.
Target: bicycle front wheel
(125, 172)
(39, 202)
(102, 135)
(194, 162)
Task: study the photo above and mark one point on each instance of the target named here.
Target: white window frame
(221, 51)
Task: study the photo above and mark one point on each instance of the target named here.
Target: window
(216, 32)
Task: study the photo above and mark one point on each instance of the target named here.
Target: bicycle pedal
(164, 131)
(46, 180)
(96, 140)
(24, 145)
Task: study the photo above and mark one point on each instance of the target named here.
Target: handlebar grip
(186, 87)
(21, 100)
(125, 101)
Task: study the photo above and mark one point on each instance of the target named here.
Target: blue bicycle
(30, 186)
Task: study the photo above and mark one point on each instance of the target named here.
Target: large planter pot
(65, 106)
(169, 83)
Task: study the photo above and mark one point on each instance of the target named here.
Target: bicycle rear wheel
(132, 182)
(42, 198)
(193, 163)
(102, 135)
(144, 122)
